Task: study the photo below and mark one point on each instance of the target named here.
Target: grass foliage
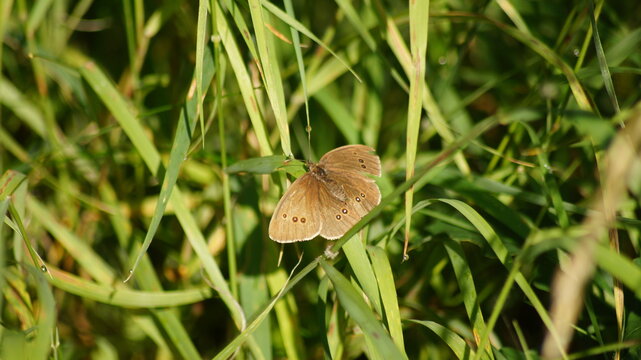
(150, 141)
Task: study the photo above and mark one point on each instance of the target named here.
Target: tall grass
(143, 147)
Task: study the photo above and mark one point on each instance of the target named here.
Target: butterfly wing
(296, 217)
(353, 158)
(362, 195)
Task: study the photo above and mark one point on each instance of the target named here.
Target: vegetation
(150, 141)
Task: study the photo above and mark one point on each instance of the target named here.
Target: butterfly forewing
(352, 158)
(297, 215)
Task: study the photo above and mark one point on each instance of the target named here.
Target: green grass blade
(452, 339)
(352, 301)
(419, 19)
(362, 268)
(242, 77)
(271, 71)
(385, 279)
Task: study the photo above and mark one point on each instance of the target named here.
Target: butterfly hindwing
(297, 215)
(337, 217)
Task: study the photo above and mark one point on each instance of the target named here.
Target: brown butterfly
(330, 198)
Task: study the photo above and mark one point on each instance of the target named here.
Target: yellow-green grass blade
(22, 107)
(268, 61)
(242, 77)
(122, 112)
(237, 13)
(385, 279)
(362, 268)
(397, 44)
(122, 296)
(4, 206)
(201, 82)
(9, 182)
(286, 313)
(419, 19)
(76, 247)
(357, 22)
(38, 347)
(352, 301)
(170, 321)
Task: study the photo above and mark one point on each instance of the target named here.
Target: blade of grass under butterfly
(268, 61)
(362, 268)
(385, 280)
(419, 19)
(352, 301)
(239, 340)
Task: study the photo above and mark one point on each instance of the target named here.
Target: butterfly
(330, 198)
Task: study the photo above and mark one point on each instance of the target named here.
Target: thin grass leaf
(468, 290)
(121, 296)
(362, 268)
(385, 279)
(242, 77)
(419, 19)
(351, 300)
(603, 64)
(271, 70)
(303, 30)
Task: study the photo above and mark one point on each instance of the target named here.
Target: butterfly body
(330, 198)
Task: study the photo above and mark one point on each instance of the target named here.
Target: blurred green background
(517, 123)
